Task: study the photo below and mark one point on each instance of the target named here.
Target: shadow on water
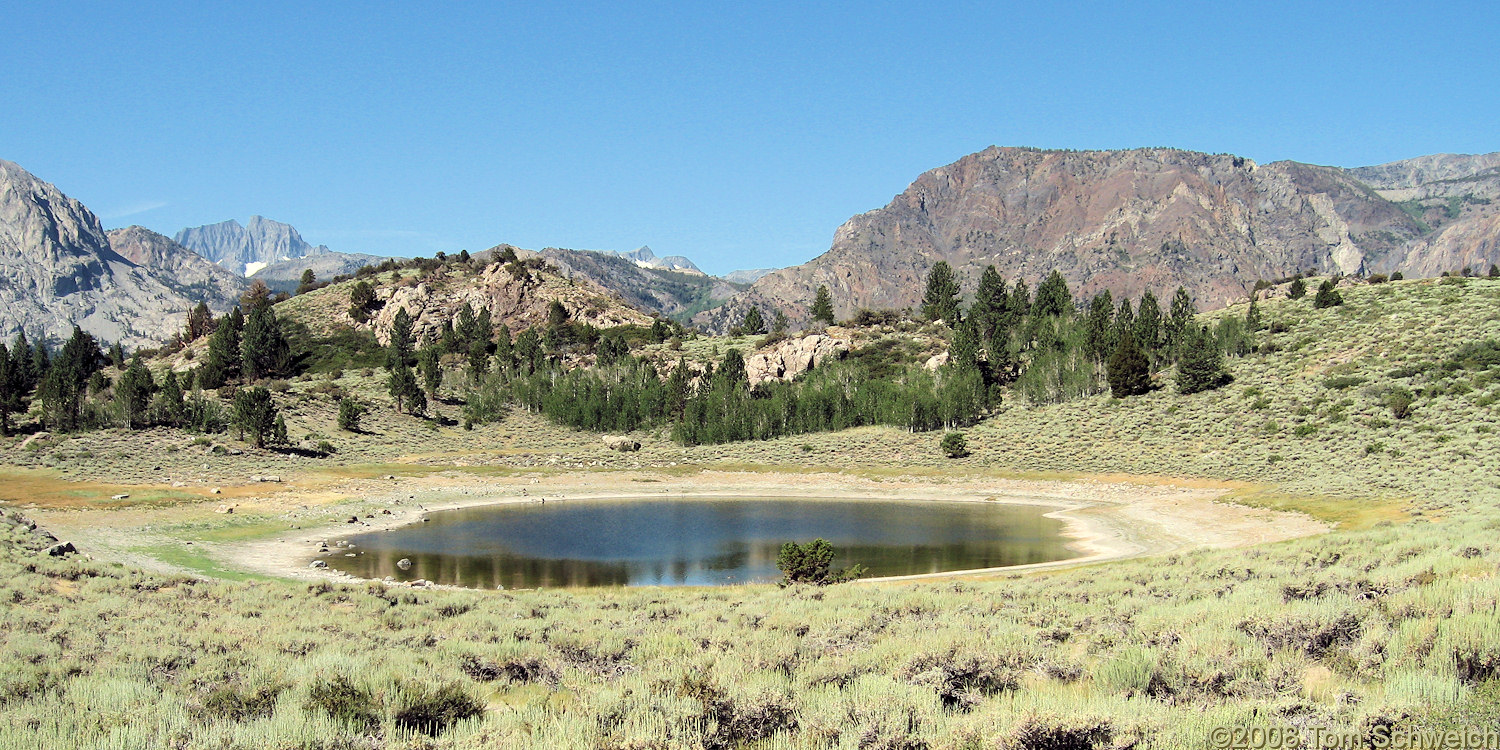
(700, 541)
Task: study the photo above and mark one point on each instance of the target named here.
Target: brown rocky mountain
(186, 272)
(1129, 221)
(57, 269)
(1455, 197)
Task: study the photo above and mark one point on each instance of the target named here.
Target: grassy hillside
(1389, 620)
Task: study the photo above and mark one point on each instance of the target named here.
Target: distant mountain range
(1147, 219)
(1123, 220)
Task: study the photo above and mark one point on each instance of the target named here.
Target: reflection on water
(697, 542)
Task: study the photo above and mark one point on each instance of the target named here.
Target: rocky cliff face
(184, 271)
(1456, 199)
(247, 249)
(57, 268)
(1123, 220)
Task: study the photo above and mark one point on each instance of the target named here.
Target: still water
(698, 541)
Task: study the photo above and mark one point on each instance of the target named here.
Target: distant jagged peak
(645, 258)
(249, 247)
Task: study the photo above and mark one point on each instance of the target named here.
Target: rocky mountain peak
(248, 248)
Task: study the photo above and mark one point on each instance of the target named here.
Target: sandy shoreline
(1104, 520)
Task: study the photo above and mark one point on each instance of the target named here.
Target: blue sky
(740, 135)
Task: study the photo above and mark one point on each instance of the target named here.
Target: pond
(698, 541)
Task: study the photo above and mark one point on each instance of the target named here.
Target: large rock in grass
(620, 443)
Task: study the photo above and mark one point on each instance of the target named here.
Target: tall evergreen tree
(10, 390)
(1019, 302)
(529, 351)
(1101, 326)
(941, 301)
(170, 406)
(133, 394)
(224, 356)
(753, 323)
(1201, 366)
(731, 371)
(23, 365)
(964, 353)
(264, 351)
(399, 350)
(116, 355)
(404, 390)
(1124, 323)
(466, 329)
(66, 383)
(505, 356)
(1053, 297)
(822, 306)
(989, 301)
(1298, 289)
(255, 415)
(1148, 325)
(1183, 312)
(1253, 322)
(1129, 370)
(432, 370)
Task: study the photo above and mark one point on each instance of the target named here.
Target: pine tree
(1494, 271)
(941, 300)
(255, 415)
(1124, 323)
(1053, 297)
(963, 355)
(557, 315)
(1201, 366)
(1101, 326)
(1298, 289)
(989, 301)
(133, 394)
(361, 297)
(779, 323)
(264, 351)
(10, 390)
(1183, 312)
(224, 353)
(23, 365)
(1253, 322)
(505, 356)
(116, 355)
(529, 351)
(731, 372)
(405, 391)
(1148, 324)
(1327, 296)
(753, 324)
(1129, 370)
(466, 328)
(66, 383)
(170, 407)
(432, 371)
(822, 307)
(1019, 303)
(399, 351)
